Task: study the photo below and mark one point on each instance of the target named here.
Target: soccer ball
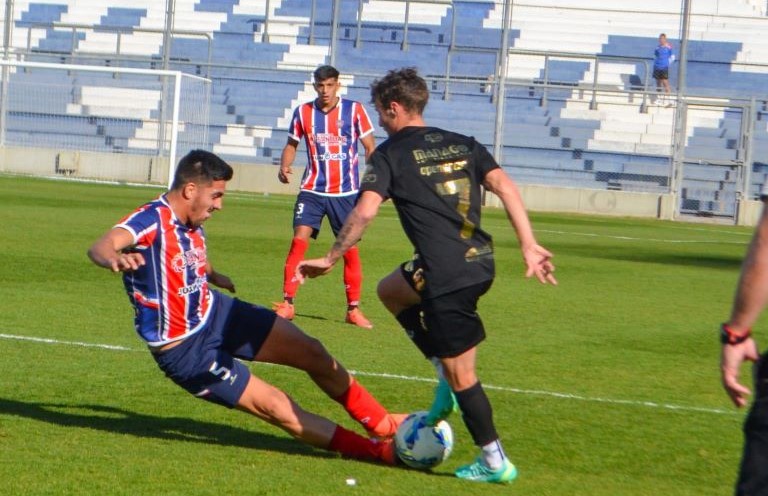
(421, 446)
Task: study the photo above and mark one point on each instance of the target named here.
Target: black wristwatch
(728, 336)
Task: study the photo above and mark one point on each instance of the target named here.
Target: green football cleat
(478, 472)
(443, 405)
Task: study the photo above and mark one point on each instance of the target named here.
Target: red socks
(295, 255)
(353, 445)
(362, 407)
(353, 271)
(353, 276)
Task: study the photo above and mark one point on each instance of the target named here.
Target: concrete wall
(262, 178)
(118, 167)
(749, 212)
(84, 165)
(590, 201)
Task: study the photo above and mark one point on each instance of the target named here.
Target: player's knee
(462, 381)
(388, 293)
(382, 291)
(460, 378)
(316, 352)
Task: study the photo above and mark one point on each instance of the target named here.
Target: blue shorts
(310, 209)
(204, 364)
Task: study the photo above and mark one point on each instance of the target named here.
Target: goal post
(105, 123)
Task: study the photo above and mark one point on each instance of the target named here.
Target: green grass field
(605, 385)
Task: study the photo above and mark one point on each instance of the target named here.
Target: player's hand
(283, 174)
(313, 268)
(221, 281)
(538, 262)
(127, 262)
(731, 358)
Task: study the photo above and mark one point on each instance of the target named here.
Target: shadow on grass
(121, 421)
(308, 316)
(662, 257)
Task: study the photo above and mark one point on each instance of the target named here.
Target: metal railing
(120, 32)
(595, 60)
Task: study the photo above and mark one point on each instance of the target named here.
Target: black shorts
(753, 472)
(661, 74)
(451, 324)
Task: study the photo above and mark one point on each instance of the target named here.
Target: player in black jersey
(434, 178)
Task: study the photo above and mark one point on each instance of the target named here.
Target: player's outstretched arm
(538, 260)
(108, 252)
(369, 144)
(357, 222)
(749, 301)
(286, 159)
(218, 279)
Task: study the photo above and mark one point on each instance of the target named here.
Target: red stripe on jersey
(139, 297)
(175, 304)
(333, 166)
(308, 125)
(198, 244)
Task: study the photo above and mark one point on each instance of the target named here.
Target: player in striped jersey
(196, 333)
(331, 127)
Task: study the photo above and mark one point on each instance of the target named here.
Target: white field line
(282, 198)
(504, 225)
(291, 199)
(655, 240)
(568, 396)
(719, 231)
(530, 392)
(70, 343)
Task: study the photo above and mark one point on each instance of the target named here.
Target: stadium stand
(574, 114)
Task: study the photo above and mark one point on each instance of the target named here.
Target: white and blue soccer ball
(422, 446)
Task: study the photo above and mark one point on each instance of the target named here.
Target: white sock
(493, 455)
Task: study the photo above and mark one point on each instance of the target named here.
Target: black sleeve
(483, 160)
(378, 175)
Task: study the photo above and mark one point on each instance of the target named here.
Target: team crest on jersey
(433, 137)
(193, 258)
(368, 175)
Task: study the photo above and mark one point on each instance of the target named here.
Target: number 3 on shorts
(299, 209)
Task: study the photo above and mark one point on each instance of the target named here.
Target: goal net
(106, 123)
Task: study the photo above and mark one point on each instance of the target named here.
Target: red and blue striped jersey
(170, 292)
(331, 139)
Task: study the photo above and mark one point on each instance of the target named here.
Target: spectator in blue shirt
(663, 57)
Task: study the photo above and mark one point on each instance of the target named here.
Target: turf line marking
(532, 392)
(568, 396)
(720, 231)
(630, 238)
(71, 343)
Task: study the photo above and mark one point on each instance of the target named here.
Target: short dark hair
(403, 86)
(325, 72)
(201, 167)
